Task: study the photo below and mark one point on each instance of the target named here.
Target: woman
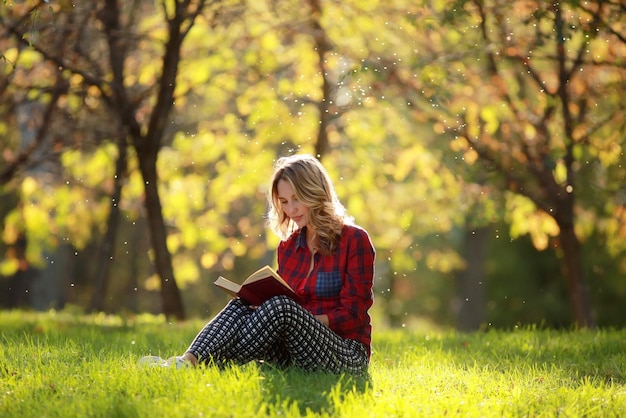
(327, 260)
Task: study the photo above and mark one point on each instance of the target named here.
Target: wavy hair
(313, 187)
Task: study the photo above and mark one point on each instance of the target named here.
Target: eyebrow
(285, 198)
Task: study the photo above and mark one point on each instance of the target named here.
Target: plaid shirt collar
(301, 239)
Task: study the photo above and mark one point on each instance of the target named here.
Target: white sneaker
(177, 362)
(151, 361)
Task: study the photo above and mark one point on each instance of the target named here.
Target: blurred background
(480, 143)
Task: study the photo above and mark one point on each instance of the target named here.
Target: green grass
(64, 365)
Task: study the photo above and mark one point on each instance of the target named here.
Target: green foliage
(410, 90)
(61, 364)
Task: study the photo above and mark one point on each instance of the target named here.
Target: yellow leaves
(405, 219)
(8, 267)
(173, 242)
(439, 128)
(530, 133)
(184, 263)
(256, 28)
(186, 269)
(459, 143)
(188, 84)
(403, 261)
(440, 6)
(560, 172)
(28, 58)
(12, 228)
(208, 260)
(74, 213)
(184, 194)
(37, 222)
(433, 74)
(453, 36)
(525, 218)
(33, 222)
(147, 74)
(76, 80)
(92, 169)
(200, 149)
(471, 119)
(190, 235)
(153, 283)
(613, 227)
(69, 210)
(237, 247)
(270, 42)
(599, 48)
(607, 147)
(7, 60)
(444, 261)
(490, 116)
(29, 186)
(405, 163)
(470, 156)
(133, 189)
(611, 154)
(356, 203)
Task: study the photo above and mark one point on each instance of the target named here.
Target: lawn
(63, 365)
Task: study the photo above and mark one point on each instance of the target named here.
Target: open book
(258, 287)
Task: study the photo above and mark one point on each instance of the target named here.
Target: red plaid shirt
(340, 285)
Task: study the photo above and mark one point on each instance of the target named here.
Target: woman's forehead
(284, 189)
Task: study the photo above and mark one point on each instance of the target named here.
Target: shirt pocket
(328, 284)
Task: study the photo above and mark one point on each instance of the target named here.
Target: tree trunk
(170, 294)
(107, 248)
(572, 256)
(147, 145)
(574, 276)
(322, 46)
(472, 289)
(132, 302)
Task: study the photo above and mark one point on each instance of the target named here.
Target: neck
(311, 238)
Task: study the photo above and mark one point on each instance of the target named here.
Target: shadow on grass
(316, 392)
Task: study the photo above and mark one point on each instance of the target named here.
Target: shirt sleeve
(356, 291)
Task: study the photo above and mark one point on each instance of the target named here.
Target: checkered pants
(280, 332)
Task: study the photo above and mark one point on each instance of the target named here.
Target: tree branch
(11, 170)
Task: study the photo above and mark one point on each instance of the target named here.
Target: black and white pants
(280, 332)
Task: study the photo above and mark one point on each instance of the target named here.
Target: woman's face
(290, 205)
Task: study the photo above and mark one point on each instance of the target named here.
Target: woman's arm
(356, 290)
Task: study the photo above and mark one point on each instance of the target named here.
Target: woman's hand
(323, 319)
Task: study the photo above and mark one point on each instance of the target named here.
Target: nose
(290, 209)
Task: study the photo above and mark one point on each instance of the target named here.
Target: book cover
(258, 287)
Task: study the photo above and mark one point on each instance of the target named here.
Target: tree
(549, 117)
(359, 83)
(129, 109)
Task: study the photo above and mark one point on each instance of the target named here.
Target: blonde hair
(313, 187)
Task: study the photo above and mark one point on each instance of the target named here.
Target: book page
(264, 272)
(231, 288)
